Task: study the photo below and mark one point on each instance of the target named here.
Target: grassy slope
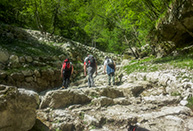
(182, 61)
(33, 48)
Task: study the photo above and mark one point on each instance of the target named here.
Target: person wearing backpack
(90, 67)
(109, 68)
(66, 71)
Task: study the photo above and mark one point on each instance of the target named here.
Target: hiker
(90, 66)
(66, 71)
(109, 68)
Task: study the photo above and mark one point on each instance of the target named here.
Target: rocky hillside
(32, 60)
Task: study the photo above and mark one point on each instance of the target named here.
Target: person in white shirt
(109, 68)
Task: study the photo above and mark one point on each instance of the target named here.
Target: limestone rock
(162, 100)
(4, 56)
(90, 120)
(102, 101)
(63, 98)
(111, 92)
(189, 124)
(121, 101)
(14, 58)
(17, 108)
(176, 24)
(29, 58)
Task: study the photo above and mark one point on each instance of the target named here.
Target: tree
(110, 25)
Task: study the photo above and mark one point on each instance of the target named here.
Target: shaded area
(19, 41)
(39, 126)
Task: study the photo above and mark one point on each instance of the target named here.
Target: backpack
(110, 63)
(91, 61)
(66, 65)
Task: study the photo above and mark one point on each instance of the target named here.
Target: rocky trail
(156, 101)
(138, 101)
(143, 99)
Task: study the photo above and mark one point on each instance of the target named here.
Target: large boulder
(134, 89)
(17, 108)
(63, 98)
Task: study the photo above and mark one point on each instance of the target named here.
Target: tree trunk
(135, 34)
(93, 43)
(130, 47)
(55, 17)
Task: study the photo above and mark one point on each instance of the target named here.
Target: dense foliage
(110, 25)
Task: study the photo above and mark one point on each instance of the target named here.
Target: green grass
(93, 127)
(183, 61)
(175, 94)
(20, 42)
(141, 66)
(81, 116)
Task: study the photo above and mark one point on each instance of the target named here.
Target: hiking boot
(93, 86)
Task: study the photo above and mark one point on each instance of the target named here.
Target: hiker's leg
(109, 80)
(89, 79)
(68, 79)
(113, 76)
(92, 79)
(67, 82)
(90, 76)
(63, 82)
